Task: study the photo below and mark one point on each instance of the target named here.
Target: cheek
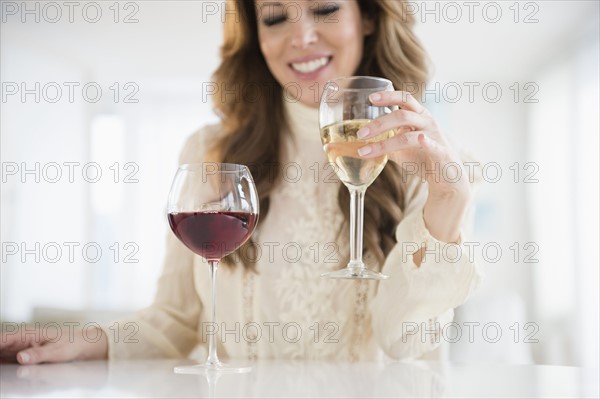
(264, 47)
(270, 52)
(347, 37)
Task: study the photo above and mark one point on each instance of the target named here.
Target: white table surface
(155, 378)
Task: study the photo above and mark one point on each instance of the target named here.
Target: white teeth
(311, 66)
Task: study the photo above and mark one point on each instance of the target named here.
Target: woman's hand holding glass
(344, 109)
(421, 149)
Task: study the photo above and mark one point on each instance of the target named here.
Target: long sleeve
(411, 308)
(167, 328)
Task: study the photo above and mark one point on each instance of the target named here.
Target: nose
(304, 34)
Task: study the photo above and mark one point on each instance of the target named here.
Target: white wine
(341, 145)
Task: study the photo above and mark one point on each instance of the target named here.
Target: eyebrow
(273, 3)
(270, 3)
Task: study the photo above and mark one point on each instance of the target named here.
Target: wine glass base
(221, 368)
(355, 273)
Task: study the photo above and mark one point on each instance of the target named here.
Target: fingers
(32, 355)
(347, 149)
(49, 353)
(12, 337)
(405, 141)
(394, 121)
(403, 99)
(412, 115)
(7, 341)
(11, 343)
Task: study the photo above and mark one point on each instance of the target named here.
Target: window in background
(587, 168)
(564, 208)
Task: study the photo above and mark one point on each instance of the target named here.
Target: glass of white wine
(344, 109)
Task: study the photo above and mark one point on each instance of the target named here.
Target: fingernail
(375, 97)
(365, 150)
(25, 357)
(363, 132)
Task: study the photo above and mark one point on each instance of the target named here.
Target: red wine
(213, 234)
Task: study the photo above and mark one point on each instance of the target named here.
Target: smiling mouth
(311, 66)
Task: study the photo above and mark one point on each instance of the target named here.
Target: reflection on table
(155, 378)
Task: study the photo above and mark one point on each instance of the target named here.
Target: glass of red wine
(213, 210)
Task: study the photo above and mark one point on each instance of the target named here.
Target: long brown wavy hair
(253, 123)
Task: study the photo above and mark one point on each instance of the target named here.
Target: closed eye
(326, 9)
(274, 20)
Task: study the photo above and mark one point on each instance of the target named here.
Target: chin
(309, 102)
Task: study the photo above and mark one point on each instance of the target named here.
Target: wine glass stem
(357, 206)
(213, 360)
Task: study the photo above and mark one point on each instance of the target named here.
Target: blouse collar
(303, 120)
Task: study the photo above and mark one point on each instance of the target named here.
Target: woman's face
(305, 43)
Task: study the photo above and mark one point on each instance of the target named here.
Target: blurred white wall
(157, 55)
(150, 74)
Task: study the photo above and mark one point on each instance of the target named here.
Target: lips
(310, 66)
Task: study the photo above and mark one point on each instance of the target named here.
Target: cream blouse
(285, 310)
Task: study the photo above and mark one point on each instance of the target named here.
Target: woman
(276, 59)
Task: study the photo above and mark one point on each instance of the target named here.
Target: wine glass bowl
(344, 109)
(213, 209)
